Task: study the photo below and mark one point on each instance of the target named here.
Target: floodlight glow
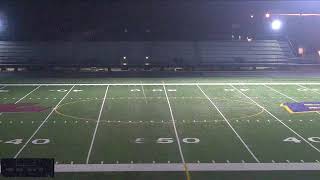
(147, 57)
(268, 15)
(276, 25)
(252, 16)
(124, 57)
(319, 52)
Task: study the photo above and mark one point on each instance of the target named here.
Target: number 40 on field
(297, 140)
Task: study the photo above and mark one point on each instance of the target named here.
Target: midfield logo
(22, 107)
(301, 107)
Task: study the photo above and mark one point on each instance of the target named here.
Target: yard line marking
(285, 94)
(280, 93)
(44, 121)
(145, 97)
(27, 94)
(97, 125)
(24, 96)
(277, 119)
(177, 136)
(227, 121)
(160, 84)
(311, 90)
(3, 87)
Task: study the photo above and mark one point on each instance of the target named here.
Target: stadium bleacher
(155, 53)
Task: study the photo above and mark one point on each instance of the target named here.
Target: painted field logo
(22, 107)
(302, 107)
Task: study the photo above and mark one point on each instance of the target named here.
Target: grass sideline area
(198, 128)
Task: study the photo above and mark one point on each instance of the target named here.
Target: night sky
(102, 20)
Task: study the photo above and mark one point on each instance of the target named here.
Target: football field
(162, 127)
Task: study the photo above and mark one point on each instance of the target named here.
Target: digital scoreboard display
(27, 167)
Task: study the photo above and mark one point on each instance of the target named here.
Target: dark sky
(135, 19)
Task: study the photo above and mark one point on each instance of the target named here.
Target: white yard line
(297, 134)
(27, 94)
(284, 94)
(227, 121)
(160, 84)
(174, 126)
(3, 87)
(145, 97)
(97, 125)
(280, 93)
(176, 167)
(24, 96)
(44, 121)
(308, 88)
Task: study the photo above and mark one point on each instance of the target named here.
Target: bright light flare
(276, 25)
(268, 15)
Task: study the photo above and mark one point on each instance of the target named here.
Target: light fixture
(267, 15)
(276, 25)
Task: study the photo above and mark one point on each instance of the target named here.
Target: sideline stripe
(97, 125)
(23, 96)
(177, 136)
(160, 84)
(44, 121)
(278, 119)
(178, 167)
(226, 120)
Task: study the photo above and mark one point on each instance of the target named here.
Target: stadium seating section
(176, 53)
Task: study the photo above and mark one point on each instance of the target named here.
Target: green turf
(138, 113)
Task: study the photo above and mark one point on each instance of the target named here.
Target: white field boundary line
(284, 95)
(24, 96)
(293, 131)
(160, 84)
(227, 121)
(174, 126)
(44, 121)
(97, 125)
(176, 167)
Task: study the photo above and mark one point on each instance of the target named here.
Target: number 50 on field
(167, 140)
